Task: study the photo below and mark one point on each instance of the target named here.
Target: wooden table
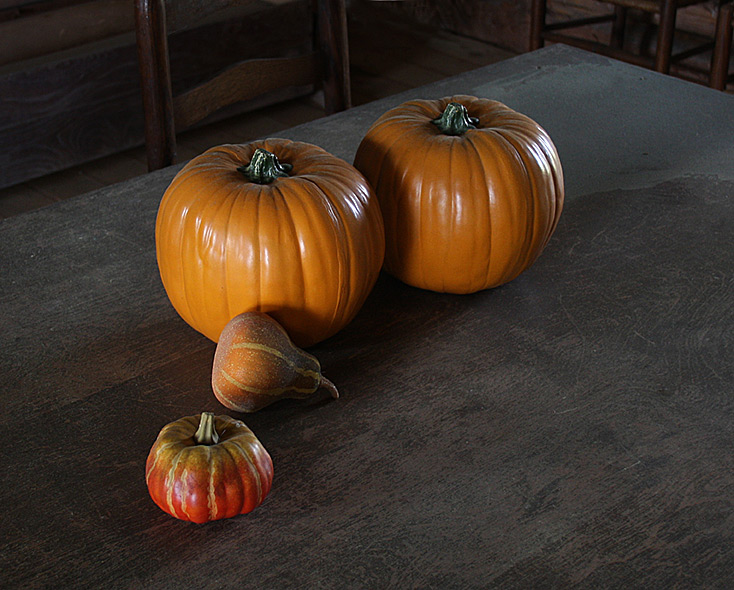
(573, 428)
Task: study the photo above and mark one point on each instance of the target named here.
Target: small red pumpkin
(470, 191)
(204, 468)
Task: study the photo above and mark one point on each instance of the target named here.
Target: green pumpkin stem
(264, 167)
(206, 434)
(455, 120)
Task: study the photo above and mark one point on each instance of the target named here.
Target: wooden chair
(327, 65)
(540, 31)
(722, 49)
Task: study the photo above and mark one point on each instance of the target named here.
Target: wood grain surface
(571, 429)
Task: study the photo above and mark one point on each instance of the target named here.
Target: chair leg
(618, 27)
(722, 47)
(331, 18)
(155, 81)
(665, 36)
(537, 24)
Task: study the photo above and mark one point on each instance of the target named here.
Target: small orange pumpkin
(470, 191)
(276, 226)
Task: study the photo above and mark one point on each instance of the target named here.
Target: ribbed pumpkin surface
(468, 212)
(305, 249)
(200, 483)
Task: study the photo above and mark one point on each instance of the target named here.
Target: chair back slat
(243, 81)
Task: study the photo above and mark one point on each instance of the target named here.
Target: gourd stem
(329, 386)
(455, 120)
(264, 167)
(206, 434)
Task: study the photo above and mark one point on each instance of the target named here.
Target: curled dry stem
(329, 386)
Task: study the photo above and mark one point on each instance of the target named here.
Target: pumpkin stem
(206, 434)
(455, 120)
(264, 167)
(329, 386)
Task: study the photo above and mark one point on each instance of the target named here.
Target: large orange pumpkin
(275, 226)
(470, 191)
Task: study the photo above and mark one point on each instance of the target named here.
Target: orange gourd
(256, 364)
(275, 226)
(470, 191)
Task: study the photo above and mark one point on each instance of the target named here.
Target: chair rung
(652, 6)
(685, 71)
(580, 22)
(692, 51)
(621, 54)
(600, 48)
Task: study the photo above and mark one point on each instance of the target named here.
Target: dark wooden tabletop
(572, 428)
